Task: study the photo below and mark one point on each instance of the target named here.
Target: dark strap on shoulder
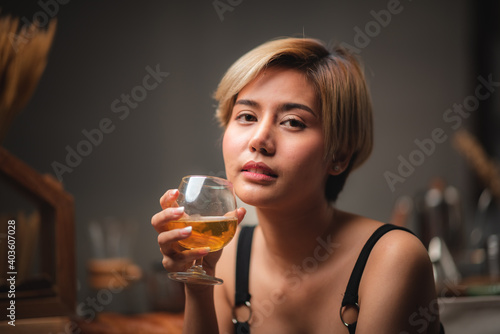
(242, 296)
(351, 292)
(243, 265)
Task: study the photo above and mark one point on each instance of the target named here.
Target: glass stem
(197, 267)
(199, 263)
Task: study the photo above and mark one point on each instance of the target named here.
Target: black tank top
(242, 295)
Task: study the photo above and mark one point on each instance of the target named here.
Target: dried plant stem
(23, 58)
(487, 169)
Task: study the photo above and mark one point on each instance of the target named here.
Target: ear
(339, 164)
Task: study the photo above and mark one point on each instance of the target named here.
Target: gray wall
(418, 65)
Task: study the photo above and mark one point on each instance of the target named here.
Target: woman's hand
(176, 257)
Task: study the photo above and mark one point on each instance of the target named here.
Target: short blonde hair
(346, 107)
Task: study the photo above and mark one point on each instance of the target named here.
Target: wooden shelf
(56, 239)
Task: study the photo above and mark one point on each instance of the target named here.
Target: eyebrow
(290, 106)
(285, 107)
(249, 103)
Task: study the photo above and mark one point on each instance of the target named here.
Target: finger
(160, 219)
(168, 198)
(241, 212)
(169, 239)
(182, 260)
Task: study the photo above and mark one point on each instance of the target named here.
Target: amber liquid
(213, 232)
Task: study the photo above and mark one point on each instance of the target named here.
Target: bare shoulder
(396, 247)
(402, 248)
(399, 276)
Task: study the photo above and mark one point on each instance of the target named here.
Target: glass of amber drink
(210, 209)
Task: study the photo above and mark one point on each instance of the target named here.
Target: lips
(258, 171)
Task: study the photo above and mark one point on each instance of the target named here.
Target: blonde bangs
(248, 67)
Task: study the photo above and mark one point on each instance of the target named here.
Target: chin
(258, 197)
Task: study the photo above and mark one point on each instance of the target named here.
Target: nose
(263, 138)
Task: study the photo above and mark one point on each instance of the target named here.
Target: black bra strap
(243, 265)
(351, 292)
(242, 296)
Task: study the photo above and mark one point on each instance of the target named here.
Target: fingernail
(204, 250)
(186, 230)
(178, 210)
(174, 192)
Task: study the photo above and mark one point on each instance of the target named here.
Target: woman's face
(273, 145)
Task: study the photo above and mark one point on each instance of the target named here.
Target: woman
(297, 120)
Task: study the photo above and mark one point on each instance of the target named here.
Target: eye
(293, 123)
(246, 118)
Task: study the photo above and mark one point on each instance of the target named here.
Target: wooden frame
(57, 246)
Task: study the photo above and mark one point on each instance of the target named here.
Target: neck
(291, 236)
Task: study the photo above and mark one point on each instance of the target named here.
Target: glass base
(195, 275)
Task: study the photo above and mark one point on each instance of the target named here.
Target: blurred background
(142, 73)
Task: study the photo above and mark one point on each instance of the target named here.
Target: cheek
(227, 144)
(225, 147)
(231, 146)
(307, 153)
